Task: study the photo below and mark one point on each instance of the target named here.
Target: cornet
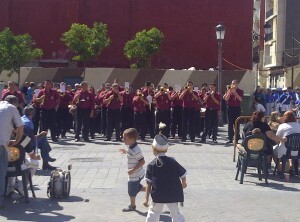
(42, 99)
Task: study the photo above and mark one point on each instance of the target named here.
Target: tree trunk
(83, 77)
(19, 76)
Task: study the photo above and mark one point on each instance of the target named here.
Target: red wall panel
(188, 27)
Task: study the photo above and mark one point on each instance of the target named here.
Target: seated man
(39, 140)
(31, 161)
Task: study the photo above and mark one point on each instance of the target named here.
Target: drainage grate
(86, 160)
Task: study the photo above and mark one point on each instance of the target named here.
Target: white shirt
(284, 130)
(9, 117)
(134, 155)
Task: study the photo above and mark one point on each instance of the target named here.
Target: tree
(16, 51)
(143, 47)
(86, 42)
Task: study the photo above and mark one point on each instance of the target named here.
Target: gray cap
(160, 143)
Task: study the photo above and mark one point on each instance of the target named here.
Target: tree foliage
(16, 51)
(143, 47)
(86, 42)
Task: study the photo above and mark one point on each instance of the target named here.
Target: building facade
(188, 27)
(282, 48)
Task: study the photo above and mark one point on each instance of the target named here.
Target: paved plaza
(99, 187)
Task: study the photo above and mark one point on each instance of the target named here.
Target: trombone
(41, 99)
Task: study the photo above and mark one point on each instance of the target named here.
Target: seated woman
(39, 140)
(258, 121)
(289, 126)
(275, 121)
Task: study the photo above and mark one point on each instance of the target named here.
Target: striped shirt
(134, 155)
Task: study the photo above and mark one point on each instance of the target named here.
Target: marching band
(186, 111)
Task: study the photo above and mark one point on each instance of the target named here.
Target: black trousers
(62, 121)
(150, 121)
(139, 120)
(126, 118)
(36, 120)
(92, 128)
(211, 124)
(197, 122)
(188, 123)
(113, 119)
(83, 123)
(103, 120)
(98, 118)
(176, 121)
(232, 113)
(163, 116)
(48, 121)
(70, 121)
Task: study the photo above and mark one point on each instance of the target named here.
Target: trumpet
(41, 99)
(162, 89)
(140, 95)
(62, 93)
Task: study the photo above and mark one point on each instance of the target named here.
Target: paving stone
(99, 187)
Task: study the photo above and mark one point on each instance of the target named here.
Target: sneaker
(202, 141)
(215, 141)
(229, 141)
(51, 159)
(19, 188)
(1, 202)
(9, 191)
(47, 166)
(129, 208)
(54, 139)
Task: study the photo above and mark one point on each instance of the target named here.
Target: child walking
(166, 179)
(135, 162)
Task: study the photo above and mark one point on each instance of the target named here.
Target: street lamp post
(220, 32)
(293, 53)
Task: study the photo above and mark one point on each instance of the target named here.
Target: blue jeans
(3, 169)
(45, 148)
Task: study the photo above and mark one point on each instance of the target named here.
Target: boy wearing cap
(135, 166)
(166, 179)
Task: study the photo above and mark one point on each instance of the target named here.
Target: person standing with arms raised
(113, 101)
(212, 100)
(85, 102)
(188, 97)
(163, 101)
(49, 100)
(234, 97)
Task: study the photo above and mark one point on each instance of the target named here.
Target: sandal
(129, 208)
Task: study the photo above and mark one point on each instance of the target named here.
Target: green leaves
(143, 47)
(16, 51)
(86, 42)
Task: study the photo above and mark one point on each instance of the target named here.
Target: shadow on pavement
(163, 218)
(283, 185)
(38, 209)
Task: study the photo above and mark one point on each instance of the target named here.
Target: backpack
(59, 184)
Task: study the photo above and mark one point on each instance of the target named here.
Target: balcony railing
(269, 13)
(268, 60)
(269, 37)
